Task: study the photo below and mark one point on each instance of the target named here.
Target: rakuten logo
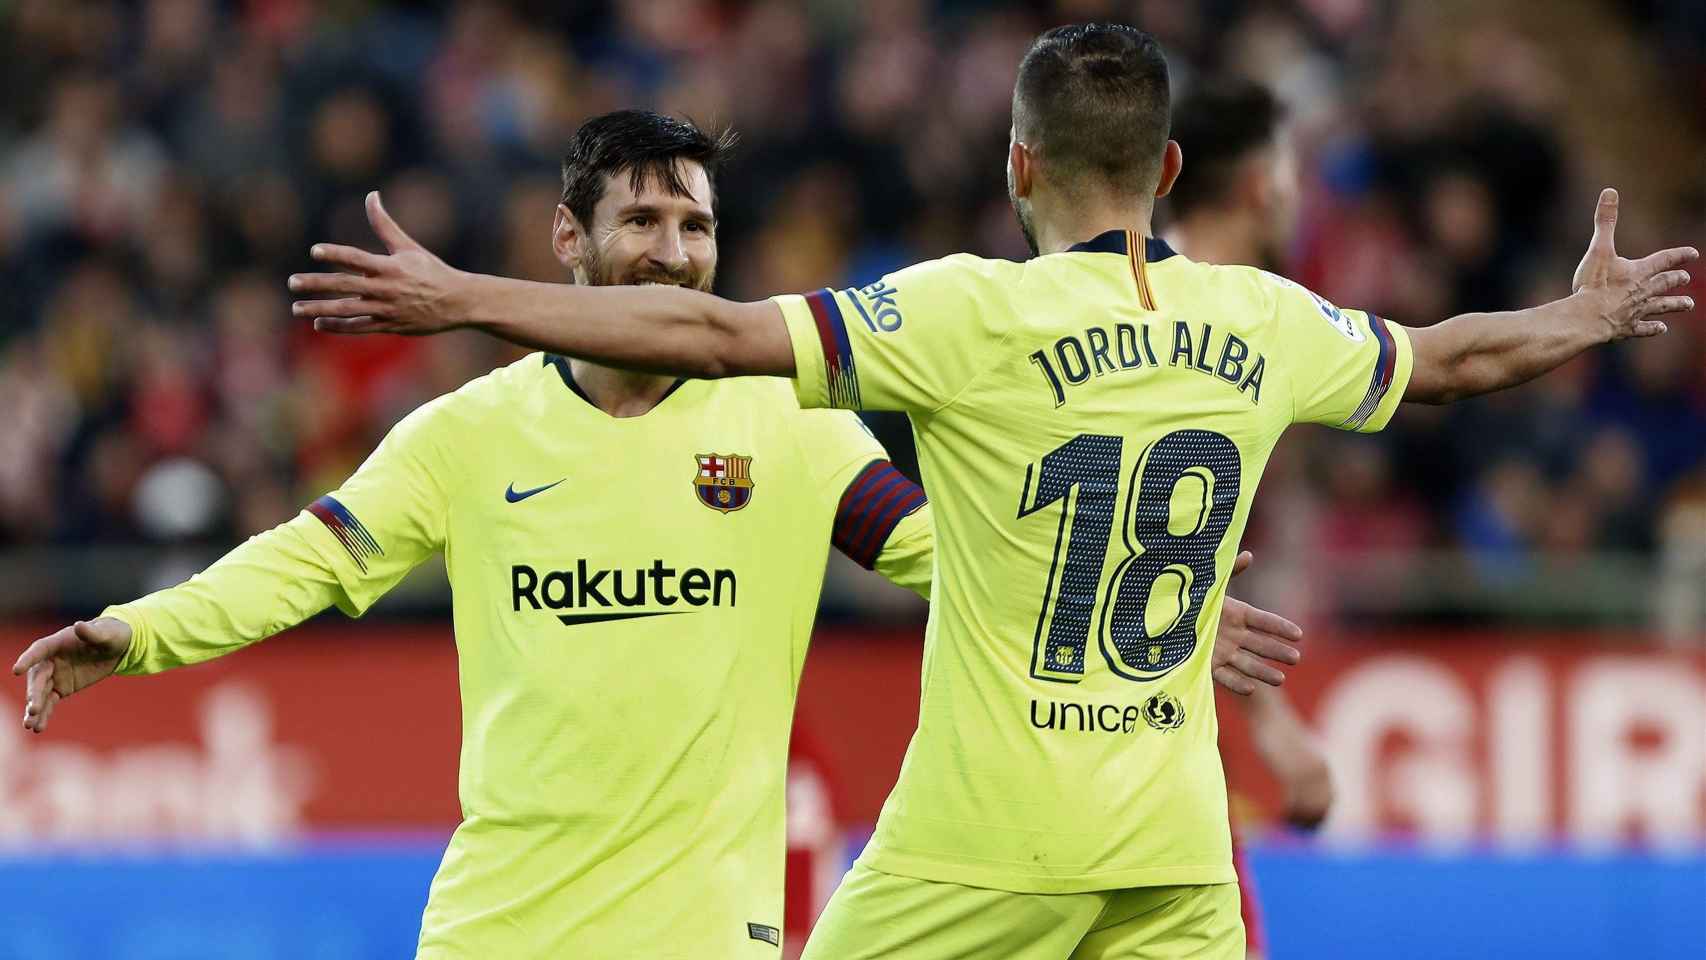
(602, 594)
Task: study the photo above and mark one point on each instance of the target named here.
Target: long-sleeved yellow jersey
(633, 600)
(1091, 427)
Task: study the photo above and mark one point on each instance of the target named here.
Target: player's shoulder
(961, 271)
(476, 401)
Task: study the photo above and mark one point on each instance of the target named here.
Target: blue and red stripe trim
(877, 499)
(1385, 366)
(350, 532)
(839, 371)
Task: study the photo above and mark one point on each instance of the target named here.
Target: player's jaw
(602, 270)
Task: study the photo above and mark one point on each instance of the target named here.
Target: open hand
(62, 663)
(1630, 294)
(1252, 642)
(407, 291)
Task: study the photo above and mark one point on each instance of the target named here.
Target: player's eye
(640, 220)
(696, 226)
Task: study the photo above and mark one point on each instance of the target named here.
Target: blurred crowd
(165, 164)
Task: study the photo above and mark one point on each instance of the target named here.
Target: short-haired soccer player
(1236, 201)
(635, 562)
(1091, 425)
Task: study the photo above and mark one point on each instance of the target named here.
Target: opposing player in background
(1235, 202)
(635, 562)
(1092, 425)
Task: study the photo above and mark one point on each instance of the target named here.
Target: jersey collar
(1155, 249)
(561, 363)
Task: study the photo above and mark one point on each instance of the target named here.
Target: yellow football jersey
(632, 602)
(1091, 426)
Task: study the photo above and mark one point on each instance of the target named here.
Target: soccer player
(1236, 202)
(635, 562)
(1091, 425)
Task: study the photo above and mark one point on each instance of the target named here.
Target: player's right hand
(62, 663)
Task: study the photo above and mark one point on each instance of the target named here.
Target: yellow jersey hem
(1002, 877)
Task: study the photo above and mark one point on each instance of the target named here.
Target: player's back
(1091, 427)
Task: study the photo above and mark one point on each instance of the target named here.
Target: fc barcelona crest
(724, 482)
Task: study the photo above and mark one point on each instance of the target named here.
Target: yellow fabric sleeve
(347, 548)
(910, 342)
(909, 556)
(1354, 365)
(267, 584)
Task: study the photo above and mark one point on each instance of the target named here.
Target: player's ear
(1255, 184)
(567, 237)
(1172, 161)
(1020, 168)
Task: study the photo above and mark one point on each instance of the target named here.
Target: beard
(601, 273)
(1022, 210)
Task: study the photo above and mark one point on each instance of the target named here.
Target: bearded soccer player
(1236, 202)
(636, 562)
(1091, 424)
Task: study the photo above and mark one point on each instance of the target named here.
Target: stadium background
(1506, 599)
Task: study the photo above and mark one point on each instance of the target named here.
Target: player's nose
(669, 251)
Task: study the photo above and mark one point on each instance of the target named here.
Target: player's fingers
(1234, 681)
(44, 649)
(345, 307)
(1665, 260)
(53, 699)
(350, 258)
(1257, 668)
(1659, 306)
(351, 325)
(1242, 562)
(1648, 328)
(380, 219)
(326, 284)
(1268, 622)
(1605, 222)
(1270, 647)
(1665, 282)
(36, 687)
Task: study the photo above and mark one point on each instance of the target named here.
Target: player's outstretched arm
(661, 329)
(1614, 298)
(269, 583)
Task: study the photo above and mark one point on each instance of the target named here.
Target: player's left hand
(1252, 643)
(407, 291)
(1629, 295)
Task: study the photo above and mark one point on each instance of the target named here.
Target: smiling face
(644, 235)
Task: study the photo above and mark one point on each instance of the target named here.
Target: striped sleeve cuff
(825, 374)
(874, 503)
(1387, 381)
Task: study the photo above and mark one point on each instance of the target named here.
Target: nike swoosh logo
(514, 496)
(570, 620)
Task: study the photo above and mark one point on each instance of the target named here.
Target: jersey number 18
(1197, 470)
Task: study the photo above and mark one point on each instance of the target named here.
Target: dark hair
(1094, 98)
(647, 145)
(1219, 125)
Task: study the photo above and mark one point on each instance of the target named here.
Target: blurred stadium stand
(165, 163)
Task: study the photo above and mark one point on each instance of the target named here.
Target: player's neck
(1091, 220)
(1217, 237)
(620, 393)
